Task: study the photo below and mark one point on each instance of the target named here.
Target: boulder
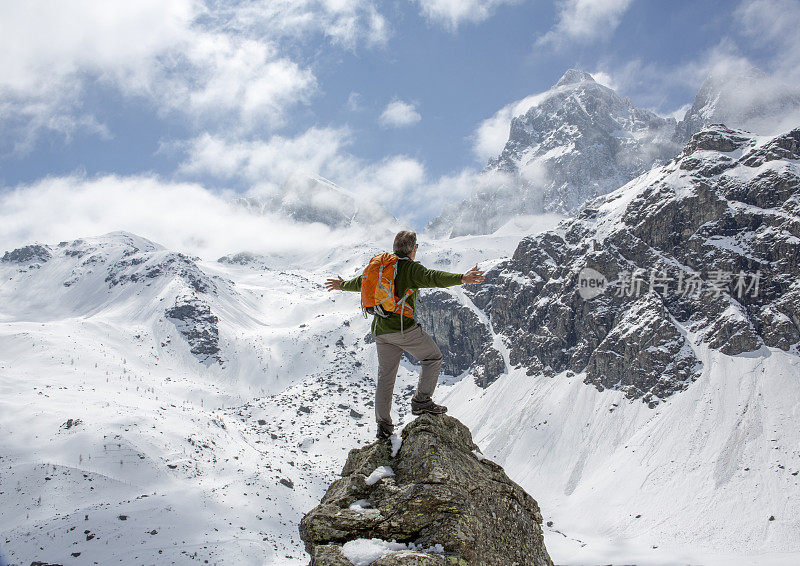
(438, 496)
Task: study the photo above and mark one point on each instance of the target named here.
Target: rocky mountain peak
(435, 499)
(580, 140)
(573, 76)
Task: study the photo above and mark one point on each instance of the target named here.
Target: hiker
(395, 332)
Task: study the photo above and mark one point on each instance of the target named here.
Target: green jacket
(410, 275)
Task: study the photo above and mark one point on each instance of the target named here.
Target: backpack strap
(407, 294)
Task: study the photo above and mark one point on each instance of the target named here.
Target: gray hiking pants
(419, 344)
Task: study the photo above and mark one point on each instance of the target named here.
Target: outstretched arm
(422, 277)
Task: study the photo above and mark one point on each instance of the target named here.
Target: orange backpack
(377, 288)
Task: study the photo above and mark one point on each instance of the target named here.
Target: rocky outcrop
(198, 325)
(32, 254)
(438, 496)
(702, 251)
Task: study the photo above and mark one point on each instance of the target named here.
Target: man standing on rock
(397, 332)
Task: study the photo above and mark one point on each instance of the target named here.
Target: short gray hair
(404, 243)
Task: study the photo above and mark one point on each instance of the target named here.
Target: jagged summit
(573, 76)
(437, 501)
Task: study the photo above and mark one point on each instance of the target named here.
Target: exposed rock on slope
(705, 249)
(32, 254)
(437, 490)
(198, 325)
(465, 341)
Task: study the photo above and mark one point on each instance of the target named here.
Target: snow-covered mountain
(698, 315)
(158, 408)
(704, 248)
(580, 139)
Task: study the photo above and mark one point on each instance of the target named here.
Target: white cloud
(220, 65)
(491, 135)
(773, 24)
(452, 13)
(243, 79)
(317, 150)
(181, 216)
(398, 182)
(605, 79)
(398, 114)
(389, 178)
(344, 22)
(585, 21)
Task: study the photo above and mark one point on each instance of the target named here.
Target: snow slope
(117, 442)
(694, 481)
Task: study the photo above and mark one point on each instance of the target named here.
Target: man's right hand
(334, 284)
(474, 275)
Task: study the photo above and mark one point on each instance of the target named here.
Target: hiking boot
(428, 406)
(384, 431)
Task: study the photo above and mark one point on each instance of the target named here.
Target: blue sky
(401, 101)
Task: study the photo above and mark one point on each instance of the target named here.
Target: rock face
(437, 490)
(198, 325)
(34, 253)
(466, 342)
(701, 252)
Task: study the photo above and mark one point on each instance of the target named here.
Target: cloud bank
(181, 216)
(215, 65)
